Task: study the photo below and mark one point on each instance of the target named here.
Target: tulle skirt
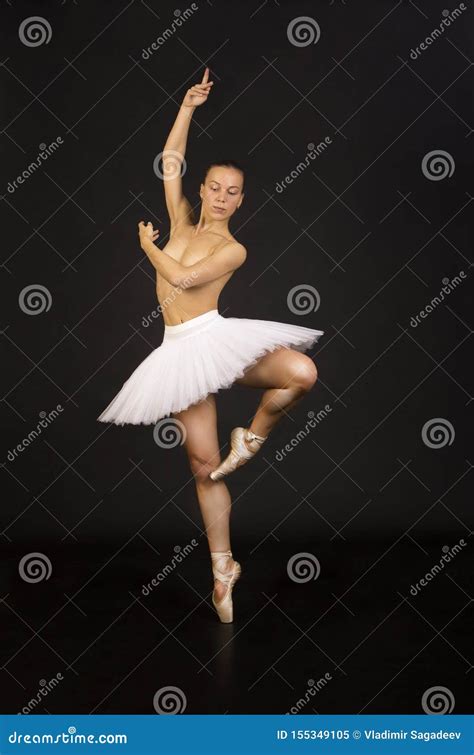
(196, 358)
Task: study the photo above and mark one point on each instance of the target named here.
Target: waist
(194, 324)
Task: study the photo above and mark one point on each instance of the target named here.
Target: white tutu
(196, 358)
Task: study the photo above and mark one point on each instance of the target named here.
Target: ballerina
(202, 351)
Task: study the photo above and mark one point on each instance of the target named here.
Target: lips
(219, 209)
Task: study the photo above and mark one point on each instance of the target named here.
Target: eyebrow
(213, 180)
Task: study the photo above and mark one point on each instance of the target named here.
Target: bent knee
(201, 467)
(304, 372)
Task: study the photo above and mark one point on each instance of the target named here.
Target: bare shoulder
(233, 247)
(238, 251)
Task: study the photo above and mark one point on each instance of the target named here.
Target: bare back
(181, 304)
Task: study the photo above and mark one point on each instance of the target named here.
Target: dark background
(363, 225)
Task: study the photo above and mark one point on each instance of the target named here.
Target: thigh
(276, 369)
(200, 424)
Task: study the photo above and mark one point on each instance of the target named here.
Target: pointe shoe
(240, 452)
(224, 606)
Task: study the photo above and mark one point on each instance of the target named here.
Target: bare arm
(179, 208)
(231, 256)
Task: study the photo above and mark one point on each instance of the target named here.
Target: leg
(287, 375)
(202, 447)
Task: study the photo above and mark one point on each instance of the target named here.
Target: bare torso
(179, 305)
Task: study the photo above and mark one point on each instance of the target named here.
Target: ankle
(253, 440)
(220, 559)
(224, 564)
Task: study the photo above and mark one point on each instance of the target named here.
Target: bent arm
(231, 256)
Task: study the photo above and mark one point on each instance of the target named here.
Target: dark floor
(355, 635)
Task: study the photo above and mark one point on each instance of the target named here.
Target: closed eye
(232, 193)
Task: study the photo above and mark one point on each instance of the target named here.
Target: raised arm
(228, 258)
(179, 208)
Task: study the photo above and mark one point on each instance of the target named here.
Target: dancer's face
(222, 193)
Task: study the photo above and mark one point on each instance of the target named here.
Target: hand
(146, 232)
(198, 93)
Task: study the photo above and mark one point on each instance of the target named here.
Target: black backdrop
(372, 229)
